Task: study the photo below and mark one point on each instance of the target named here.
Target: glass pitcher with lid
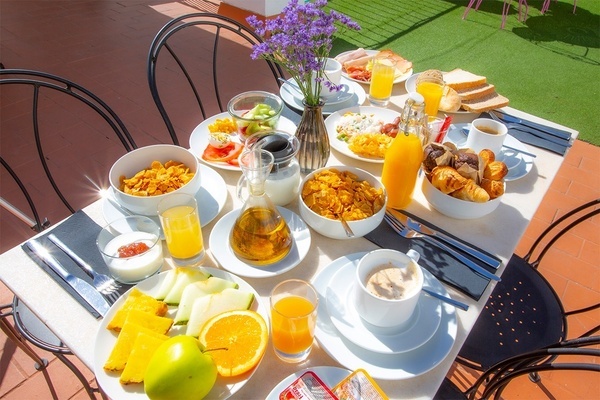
(260, 235)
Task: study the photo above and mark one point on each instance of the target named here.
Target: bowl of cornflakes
(143, 177)
(329, 194)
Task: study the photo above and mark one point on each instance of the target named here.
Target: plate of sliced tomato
(224, 157)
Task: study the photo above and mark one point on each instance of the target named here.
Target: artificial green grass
(547, 66)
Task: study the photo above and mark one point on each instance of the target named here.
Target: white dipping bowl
(139, 159)
(333, 228)
(456, 208)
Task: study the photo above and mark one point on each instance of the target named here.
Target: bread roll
(493, 188)
(496, 170)
(486, 156)
(450, 101)
(430, 73)
(471, 192)
(447, 180)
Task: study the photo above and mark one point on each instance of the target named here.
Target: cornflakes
(158, 179)
(370, 144)
(332, 193)
(225, 125)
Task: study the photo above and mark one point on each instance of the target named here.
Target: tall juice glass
(180, 222)
(382, 81)
(293, 319)
(432, 89)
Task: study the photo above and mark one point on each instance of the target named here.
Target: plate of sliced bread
(465, 92)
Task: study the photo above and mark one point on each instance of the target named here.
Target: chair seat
(522, 314)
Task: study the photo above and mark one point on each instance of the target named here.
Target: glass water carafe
(260, 235)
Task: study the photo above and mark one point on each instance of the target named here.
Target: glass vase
(314, 141)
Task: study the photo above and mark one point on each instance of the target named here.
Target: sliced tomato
(228, 154)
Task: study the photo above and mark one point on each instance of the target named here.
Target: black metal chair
(44, 104)
(524, 313)
(580, 354)
(203, 49)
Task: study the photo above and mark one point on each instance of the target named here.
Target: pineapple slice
(120, 353)
(143, 349)
(138, 301)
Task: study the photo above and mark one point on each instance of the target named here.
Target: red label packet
(308, 387)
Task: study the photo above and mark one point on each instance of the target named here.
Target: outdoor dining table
(498, 233)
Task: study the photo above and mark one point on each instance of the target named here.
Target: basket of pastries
(461, 183)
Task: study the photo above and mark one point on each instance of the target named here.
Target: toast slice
(476, 92)
(459, 79)
(486, 103)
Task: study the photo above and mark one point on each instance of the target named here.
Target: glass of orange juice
(293, 319)
(431, 88)
(382, 81)
(180, 221)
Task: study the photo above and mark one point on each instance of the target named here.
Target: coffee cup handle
(414, 255)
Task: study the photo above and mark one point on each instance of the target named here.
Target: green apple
(180, 369)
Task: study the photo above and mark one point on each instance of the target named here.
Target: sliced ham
(358, 53)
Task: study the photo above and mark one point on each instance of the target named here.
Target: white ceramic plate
(331, 376)
(221, 250)
(386, 115)
(398, 79)
(411, 86)
(105, 341)
(199, 138)
(340, 306)
(381, 366)
(521, 164)
(293, 99)
(211, 198)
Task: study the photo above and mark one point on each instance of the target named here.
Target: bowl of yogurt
(131, 248)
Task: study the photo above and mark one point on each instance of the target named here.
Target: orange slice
(239, 339)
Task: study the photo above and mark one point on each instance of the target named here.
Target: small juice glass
(293, 319)
(382, 81)
(180, 222)
(432, 89)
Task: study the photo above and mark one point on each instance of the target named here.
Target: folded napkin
(437, 261)
(79, 233)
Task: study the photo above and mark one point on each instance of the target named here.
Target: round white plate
(331, 376)
(518, 169)
(398, 79)
(340, 305)
(411, 86)
(293, 99)
(381, 366)
(386, 115)
(105, 341)
(221, 250)
(211, 198)
(199, 138)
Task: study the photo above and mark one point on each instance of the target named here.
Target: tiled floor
(103, 45)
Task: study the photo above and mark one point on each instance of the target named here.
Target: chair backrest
(201, 51)
(56, 119)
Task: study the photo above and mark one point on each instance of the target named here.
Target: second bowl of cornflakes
(143, 177)
(331, 193)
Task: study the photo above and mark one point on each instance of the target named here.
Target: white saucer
(293, 99)
(211, 198)
(331, 376)
(340, 305)
(518, 169)
(411, 86)
(199, 138)
(381, 366)
(221, 250)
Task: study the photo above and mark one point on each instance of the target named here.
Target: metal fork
(103, 283)
(408, 233)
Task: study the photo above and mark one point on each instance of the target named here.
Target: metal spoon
(347, 228)
(445, 299)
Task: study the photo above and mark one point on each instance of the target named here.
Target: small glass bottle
(404, 156)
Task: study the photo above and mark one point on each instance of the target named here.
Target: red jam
(132, 249)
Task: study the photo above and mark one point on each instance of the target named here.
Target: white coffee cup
(388, 309)
(333, 74)
(486, 134)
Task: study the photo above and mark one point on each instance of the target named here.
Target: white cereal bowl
(140, 159)
(333, 228)
(456, 208)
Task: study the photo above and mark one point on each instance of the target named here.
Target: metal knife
(564, 135)
(534, 140)
(84, 289)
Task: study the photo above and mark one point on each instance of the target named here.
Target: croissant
(487, 156)
(447, 179)
(471, 192)
(493, 188)
(496, 170)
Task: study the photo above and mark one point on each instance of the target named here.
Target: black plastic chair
(203, 49)
(556, 357)
(52, 103)
(524, 313)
